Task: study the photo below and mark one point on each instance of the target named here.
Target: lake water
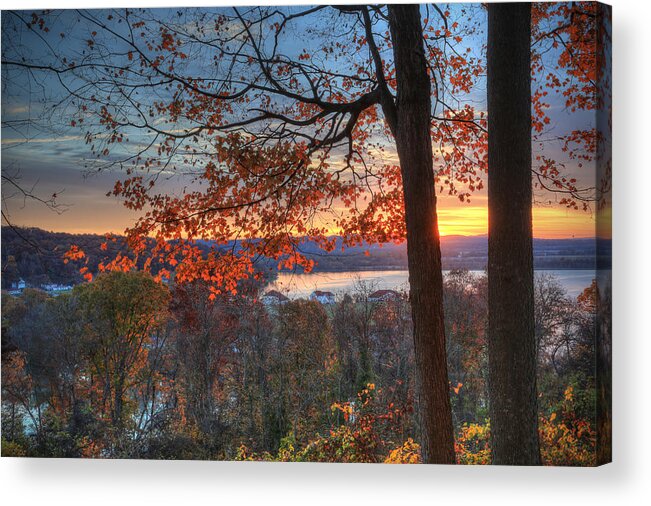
(302, 285)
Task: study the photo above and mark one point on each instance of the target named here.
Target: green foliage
(124, 311)
(13, 449)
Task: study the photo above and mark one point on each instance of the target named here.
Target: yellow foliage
(472, 445)
(408, 453)
(566, 442)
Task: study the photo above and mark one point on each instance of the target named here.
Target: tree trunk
(414, 146)
(511, 341)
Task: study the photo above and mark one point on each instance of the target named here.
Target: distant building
(54, 287)
(17, 287)
(383, 295)
(323, 297)
(274, 297)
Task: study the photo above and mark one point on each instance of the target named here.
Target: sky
(50, 157)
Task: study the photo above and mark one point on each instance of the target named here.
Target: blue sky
(50, 155)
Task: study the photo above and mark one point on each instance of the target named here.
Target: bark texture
(511, 342)
(414, 146)
(604, 228)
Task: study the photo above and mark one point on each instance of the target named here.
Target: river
(302, 285)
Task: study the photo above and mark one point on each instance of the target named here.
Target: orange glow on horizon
(455, 218)
(548, 222)
(553, 222)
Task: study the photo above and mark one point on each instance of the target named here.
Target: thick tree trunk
(414, 145)
(511, 342)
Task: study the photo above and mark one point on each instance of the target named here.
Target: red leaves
(88, 276)
(168, 41)
(73, 254)
(40, 21)
(248, 184)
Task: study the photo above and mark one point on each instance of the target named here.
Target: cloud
(42, 140)
(15, 109)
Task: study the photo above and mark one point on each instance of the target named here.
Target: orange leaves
(255, 153)
(73, 254)
(346, 409)
(168, 42)
(122, 263)
(270, 180)
(569, 394)
(308, 266)
(567, 65)
(88, 276)
(571, 31)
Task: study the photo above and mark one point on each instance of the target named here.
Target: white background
(626, 481)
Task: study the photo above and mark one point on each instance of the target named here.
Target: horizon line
(442, 236)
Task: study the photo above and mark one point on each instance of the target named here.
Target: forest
(244, 139)
(124, 367)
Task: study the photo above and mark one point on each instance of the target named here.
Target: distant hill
(36, 255)
(459, 252)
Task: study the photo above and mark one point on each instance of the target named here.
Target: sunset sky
(50, 159)
(54, 166)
